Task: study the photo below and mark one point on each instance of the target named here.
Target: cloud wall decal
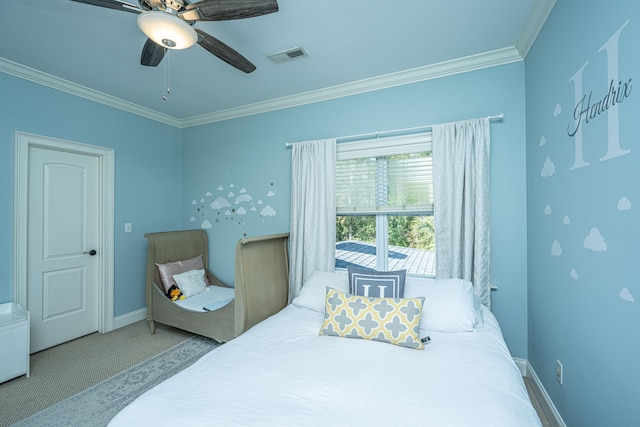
(548, 169)
(626, 295)
(244, 198)
(594, 241)
(220, 203)
(624, 204)
(268, 211)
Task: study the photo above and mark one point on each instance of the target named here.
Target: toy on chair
(174, 293)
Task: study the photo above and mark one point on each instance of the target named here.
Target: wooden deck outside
(415, 261)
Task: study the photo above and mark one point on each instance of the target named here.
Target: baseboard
(522, 365)
(541, 394)
(129, 318)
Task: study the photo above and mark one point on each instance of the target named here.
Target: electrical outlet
(559, 375)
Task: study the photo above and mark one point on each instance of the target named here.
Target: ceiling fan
(168, 24)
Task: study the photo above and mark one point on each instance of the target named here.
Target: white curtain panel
(461, 152)
(313, 211)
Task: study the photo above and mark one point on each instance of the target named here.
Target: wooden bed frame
(261, 283)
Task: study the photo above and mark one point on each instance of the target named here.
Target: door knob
(92, 252)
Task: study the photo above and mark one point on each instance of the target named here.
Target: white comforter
(282, 373)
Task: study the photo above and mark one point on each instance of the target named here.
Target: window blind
(385, 175)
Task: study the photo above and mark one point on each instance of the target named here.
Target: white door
(62, 231)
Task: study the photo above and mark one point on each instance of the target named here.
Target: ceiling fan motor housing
(175, 5)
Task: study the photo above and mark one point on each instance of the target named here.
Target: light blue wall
(157, 180)
(584, 291)
(563, 302)
(147, 173)
(250, 153)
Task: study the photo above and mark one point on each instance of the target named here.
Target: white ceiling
(353, 45)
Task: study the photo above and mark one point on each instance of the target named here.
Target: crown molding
(39, 77)
(457, 66)
(537, 17)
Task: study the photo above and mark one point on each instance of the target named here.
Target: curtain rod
(495, 118)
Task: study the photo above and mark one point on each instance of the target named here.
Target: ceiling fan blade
(224, 52)
(152, 54)
(224, 10)
(112, 4)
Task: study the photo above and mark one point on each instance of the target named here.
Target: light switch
(127, 227)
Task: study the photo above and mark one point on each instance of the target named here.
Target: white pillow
(449, 305)
(190, 282)
(312, 294)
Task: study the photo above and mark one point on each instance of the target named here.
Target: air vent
(288, 55)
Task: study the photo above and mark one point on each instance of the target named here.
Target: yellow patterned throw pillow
(390, 320)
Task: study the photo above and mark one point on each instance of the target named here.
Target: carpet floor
(62, 371)
(536, 404)
(97, 405)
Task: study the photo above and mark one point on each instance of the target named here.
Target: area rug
(97, 405)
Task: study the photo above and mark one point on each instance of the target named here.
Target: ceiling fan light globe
(167, 30)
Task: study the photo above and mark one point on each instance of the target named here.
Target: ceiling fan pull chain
(167, 70)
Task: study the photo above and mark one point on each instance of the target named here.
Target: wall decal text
(585, 111)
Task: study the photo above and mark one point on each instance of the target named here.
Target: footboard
(262, 278)
(218, 324)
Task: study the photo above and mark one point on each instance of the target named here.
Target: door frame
(106, 184)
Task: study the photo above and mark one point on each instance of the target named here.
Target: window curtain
(461, 203)
(313, 211)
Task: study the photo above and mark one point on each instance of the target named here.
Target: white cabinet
(14, 341)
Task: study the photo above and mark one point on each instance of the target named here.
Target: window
(384, 200)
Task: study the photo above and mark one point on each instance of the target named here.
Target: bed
(283, 372)
(260, 289)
